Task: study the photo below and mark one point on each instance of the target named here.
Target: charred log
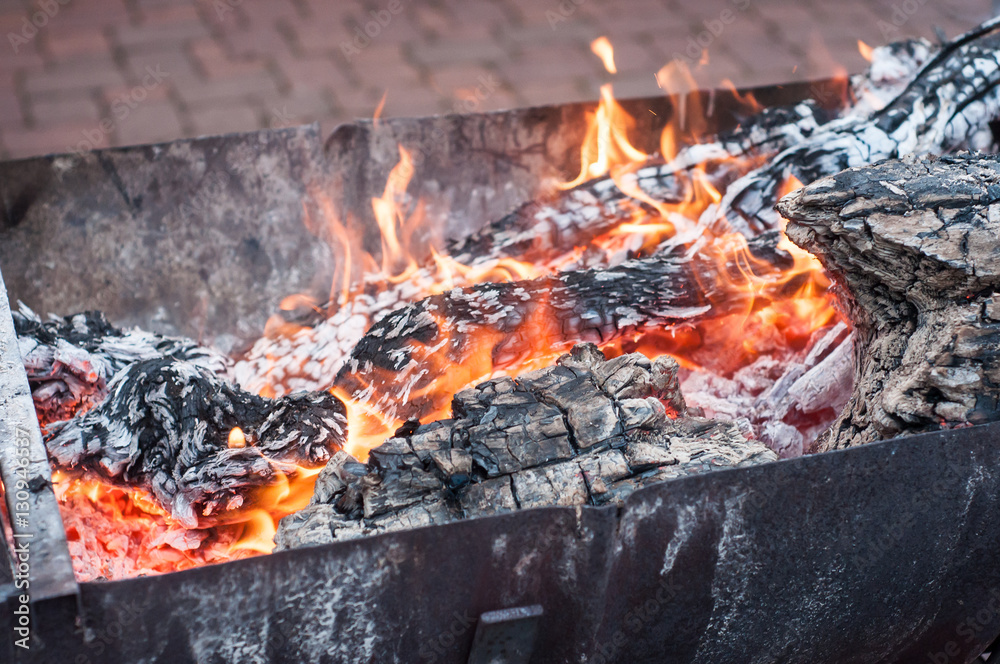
(69, 361)
(463, 335)
(584, 431)
(916, 246)
(948, 106)
(164, 428)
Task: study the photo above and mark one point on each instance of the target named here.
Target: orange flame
(237, 439)
(865, 50)
(602, 48)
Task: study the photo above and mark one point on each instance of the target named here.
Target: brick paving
(95, 73)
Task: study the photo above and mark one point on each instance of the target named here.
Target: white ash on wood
(140, 410)
(165, 428)
(948, 106)
(584, 431)
(70, 360)
(916, 245)
(509, 321)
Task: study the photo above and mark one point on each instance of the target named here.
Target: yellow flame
(602, 48)
(237, 439)
(865, 50)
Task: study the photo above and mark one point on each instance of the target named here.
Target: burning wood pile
(647, 320)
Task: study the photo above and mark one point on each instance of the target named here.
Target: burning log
(419, 355)
(584, 431)
(916, 244)
(544, 234)
(948, 106)
(167, 426)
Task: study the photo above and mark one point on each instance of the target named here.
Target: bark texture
(584, 431)
(915, 245)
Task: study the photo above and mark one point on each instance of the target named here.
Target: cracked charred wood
(69, 361)
(948, 106)
(915, 244)
(412, 359)
(164, 428)
(584, 431)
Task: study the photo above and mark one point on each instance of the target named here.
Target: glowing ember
(237, 439)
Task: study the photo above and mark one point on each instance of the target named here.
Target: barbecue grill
(883, 553)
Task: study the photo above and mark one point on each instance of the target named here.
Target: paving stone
(144, 36)
(296, 108)
(312, 73)
(149, 122)
(51, 140)
(551, 63)
(225, 119)
(215, 62)
(64, 44)
(450, 51)
(228, 88)
(64, 108)
(267, 62)
(77, 75)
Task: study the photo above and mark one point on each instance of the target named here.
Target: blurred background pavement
(79, 74)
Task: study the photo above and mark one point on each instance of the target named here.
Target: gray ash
(165, 426)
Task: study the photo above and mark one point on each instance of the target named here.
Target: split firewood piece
(584, 431)
(71, 360)
(199, 445)
(409, 363)
(948, 106)
(916, 245)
